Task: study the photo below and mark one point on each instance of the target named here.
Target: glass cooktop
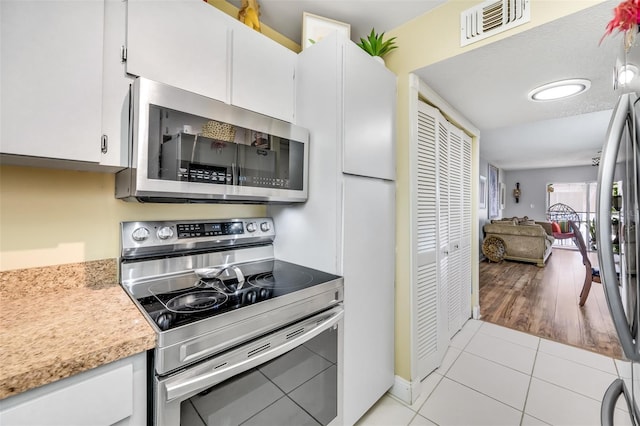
(174, 302)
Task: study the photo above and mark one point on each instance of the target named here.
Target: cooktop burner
(196, 301)
(171, 303)
(284, 279)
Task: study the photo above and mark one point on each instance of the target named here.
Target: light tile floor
(493, 375)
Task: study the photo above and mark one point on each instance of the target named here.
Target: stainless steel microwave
(185, 147)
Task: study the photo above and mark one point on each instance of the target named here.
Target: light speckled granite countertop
(61, 320)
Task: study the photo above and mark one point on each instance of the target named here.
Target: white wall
(533, 184)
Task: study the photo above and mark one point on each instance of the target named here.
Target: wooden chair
(591, 274)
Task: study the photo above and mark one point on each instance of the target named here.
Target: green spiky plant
(374, 44)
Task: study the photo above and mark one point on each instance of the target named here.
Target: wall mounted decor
(517, 193)
(494, 193)
(315, 27)
(482, 193)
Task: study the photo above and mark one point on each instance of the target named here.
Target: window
(581, 197)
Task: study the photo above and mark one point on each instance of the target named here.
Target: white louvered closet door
(453, 245)
(465, 263)
(441, 238)
(429, 322)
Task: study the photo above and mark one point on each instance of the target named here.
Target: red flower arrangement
(627, 16)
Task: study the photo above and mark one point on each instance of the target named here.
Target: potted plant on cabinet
(376, 46)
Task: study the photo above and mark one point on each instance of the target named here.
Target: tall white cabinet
(441, 241)
(347, 101)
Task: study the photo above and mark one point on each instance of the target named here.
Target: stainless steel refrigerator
(617, 234)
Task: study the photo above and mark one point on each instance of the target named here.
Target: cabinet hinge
(104, 144)
(123, 53)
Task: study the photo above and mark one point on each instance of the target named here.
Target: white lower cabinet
(113, 394)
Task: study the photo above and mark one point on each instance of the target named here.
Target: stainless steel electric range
(228, 315)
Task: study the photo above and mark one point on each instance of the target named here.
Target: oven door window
(297, 388)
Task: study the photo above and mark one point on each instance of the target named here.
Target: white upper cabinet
(181, 43)
(262, 77)
(369, 115)
(65, 76)
(193, 46)
(115, 87)
(51, 79)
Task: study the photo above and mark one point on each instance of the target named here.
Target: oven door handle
(180, 388)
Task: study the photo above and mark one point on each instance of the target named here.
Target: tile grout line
(526, 397)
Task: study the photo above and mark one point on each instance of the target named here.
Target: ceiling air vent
(492, 17)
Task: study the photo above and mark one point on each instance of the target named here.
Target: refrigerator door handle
(608, 407)
(608, 274)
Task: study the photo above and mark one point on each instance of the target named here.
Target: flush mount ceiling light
(559, 89)
(627, 73)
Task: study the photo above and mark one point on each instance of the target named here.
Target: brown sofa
(525, 240)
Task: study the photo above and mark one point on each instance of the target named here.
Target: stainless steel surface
(608, 406)
(174, 266)
(186, 345)
(141, 239)
(608, 274)
(135, 183)
(171, 391)
(209, 273)
(217, 369)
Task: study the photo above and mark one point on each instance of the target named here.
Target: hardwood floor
(544, 302)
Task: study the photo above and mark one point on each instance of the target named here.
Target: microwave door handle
(608, 274)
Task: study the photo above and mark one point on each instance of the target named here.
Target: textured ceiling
(489, 86)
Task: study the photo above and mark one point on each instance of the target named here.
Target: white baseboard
(404, 390)
(476, 312)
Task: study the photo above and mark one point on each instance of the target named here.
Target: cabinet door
(115, 99)
(263, 72)
(106, 395)
(369, 116)
(51, 79)
(183, 43)
(369, 291)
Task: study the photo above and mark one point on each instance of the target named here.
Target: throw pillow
(555, 227)
(564, 226)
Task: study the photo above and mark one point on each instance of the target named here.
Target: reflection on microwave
(226, 155)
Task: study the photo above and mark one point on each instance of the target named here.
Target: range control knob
(165, 233)
(251, 227)
(140, 234)
(265, 226)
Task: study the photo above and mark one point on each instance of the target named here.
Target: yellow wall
(51, 217)
(425, 40)
(231, 10)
